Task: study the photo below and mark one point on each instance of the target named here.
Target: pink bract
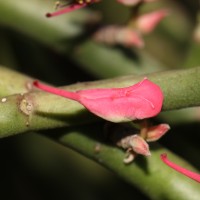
(146, 23)
(139, 101)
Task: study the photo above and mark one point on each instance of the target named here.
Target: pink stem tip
(180, 169)
(57, 91)
(66, 10)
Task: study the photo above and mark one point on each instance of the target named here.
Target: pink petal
(139, 101)
(142, 100)
(154, 133)
(146, 23)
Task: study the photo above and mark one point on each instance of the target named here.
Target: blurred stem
(193, 58)
(62, 33)
(111, 61)
(7, 56)
(183, 116)
(28, 17)
(40, 110)
(147, 174)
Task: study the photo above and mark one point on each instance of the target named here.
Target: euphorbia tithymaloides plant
(139, 101)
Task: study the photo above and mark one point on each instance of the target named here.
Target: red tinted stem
(66, 10)
(57, 91)
(180, 169)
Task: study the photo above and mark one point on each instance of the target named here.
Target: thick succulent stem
(146, 174)
(181, 90)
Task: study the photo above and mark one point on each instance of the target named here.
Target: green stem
(60, 33)
(150, 175)
(39, 110)
(145, 174)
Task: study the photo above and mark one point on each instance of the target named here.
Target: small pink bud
(139, 101)
(139, 145)
(133, 2)
(129, 2)
(113, 35)
(129, 37)
(146, 23)
(154, 133)
(180, 169)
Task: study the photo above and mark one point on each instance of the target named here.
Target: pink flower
(139, 101)
(71, 7)
(180, 169)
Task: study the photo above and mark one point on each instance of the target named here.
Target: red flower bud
(139, 145)
(139, 101)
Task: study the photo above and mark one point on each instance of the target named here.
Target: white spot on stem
(3, 100)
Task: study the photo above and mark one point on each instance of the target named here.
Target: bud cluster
(134, 140)
(128, 35)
